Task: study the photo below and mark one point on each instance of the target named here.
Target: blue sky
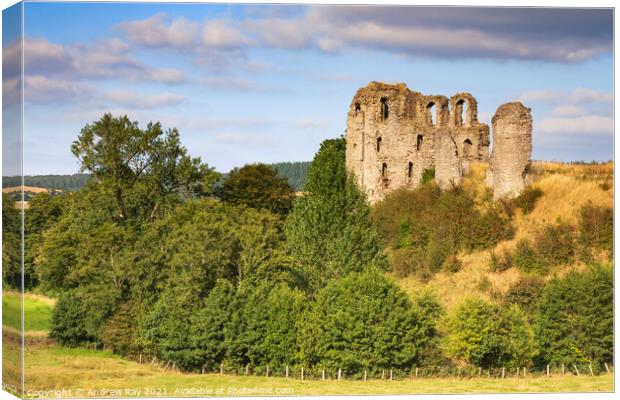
(261, 83)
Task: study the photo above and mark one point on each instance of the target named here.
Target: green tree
(329, 230)
(473, 337)
(140, 168)
(364, 321)
(575, 319)
(519, 347)
(258, 186)
(11, 237)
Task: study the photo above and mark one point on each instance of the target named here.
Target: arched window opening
(379, 144)
(459, 107)
(467, 147)
(410, 170)
(358, 108)
(385, 112)
(430, 111)
(383, 170)
(418, 144)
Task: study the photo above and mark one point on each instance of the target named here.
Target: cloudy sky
(250, 83)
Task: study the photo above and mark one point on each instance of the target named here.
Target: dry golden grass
(565, 187)
(31, 189)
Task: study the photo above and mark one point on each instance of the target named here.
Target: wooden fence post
(302, 373)
(547, 370)
(286, 372)
(339, 373)
(416, 372)
(391, 376)
(606, 367)
(222, 369)
(576, 370)
(503, 372)
(365, 374)
(267, 371)
(562, 369)
(524, 372)
(203, 371)
(479, 372)
(174, 366)
(590, 367)
(140, 361)
(247, 369)
(323, 374)
(382, 374)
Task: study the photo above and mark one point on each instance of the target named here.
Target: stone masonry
(512, 149)
(394, 134)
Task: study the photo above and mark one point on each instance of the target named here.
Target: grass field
(76, 371)
(37, 311)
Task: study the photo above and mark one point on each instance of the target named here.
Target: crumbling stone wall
(512, 149)
(448, 167)
(392, 133)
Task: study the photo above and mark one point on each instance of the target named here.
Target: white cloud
(143, 101)
(569, 111)
(312, 123)
(583, 95)
(546, 95)
(38, 88)
(592, 124)
(154, 32)
(223, 34)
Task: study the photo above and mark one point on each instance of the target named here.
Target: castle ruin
(395, 134)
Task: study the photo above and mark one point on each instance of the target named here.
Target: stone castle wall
(393, 132)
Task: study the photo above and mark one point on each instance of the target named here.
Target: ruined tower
(393, 136)
(512, 149)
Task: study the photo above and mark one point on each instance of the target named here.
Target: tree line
(158, 256)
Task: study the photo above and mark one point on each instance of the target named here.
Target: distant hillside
(57, 182)
(295, 172)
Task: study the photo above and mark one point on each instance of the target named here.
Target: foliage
(525, 257)
(55, 182)
(143, 169)
(526, 201)
(364, 321)
(329, 230)
(428, 175)
(554, 245)
(499, 262)
(525, 293)
(472, 334)
(575, 319)
(596, 230)
(519, 347)
(118, 332)
(42, 213)
(11, 243)
(257, 186)
(428, 225)
(294, 172)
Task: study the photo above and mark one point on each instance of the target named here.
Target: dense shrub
(428, 175)
(364, 321)
(525, 258)
(525, 293)
(554, 245)
(575, 319)
(429, 225)
(526, 201)
(596, 230)
(118, 332)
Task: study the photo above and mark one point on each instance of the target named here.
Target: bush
(525, 293)
(555, 245)
(364, 321)
(69, 321)
(526, 201)
(452, 264)
(428, 175)
(118, 332)
(596, 229)
(525, 258)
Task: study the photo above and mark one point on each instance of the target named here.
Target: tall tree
(140, 167)
(258, 186)
(329, 230)
(11, 249)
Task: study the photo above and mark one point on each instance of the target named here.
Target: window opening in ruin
(467, 148)
(460, 107)
(378, 144)
(358, 108)
(383, 170)
(430, 109)
(410, 169)
(418, 144)
(385, 112)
